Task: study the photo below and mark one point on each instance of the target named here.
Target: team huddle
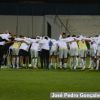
(44, 52)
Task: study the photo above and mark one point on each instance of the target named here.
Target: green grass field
(28, 84)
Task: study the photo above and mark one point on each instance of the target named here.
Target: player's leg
(71, 58)
(32, 57)
(82, 59)
(76, 54)
(1, 55)
(36, 58)
(98, 60)
(65, 58)
(51, 59)
(41, 58)
(21, 58)
(60, 57)
(92, 60)
(30, 63)
(55, 61)
(47, 59)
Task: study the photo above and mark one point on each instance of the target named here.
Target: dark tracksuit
(1, 51)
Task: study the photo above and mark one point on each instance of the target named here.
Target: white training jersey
(18, 39)
(73, 44)
(62, 44)
(31, 40)
(54, 45)
(44, 44)
(35, 45)
(2, 43)
(5, 36)
(40, 44)
(25, 46)
(98, 41)
(93, 46)
(69, 39)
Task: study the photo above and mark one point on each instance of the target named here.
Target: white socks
(65, 65)
(76, 63)
(97, 68)
(60, 64)
(50, 65)
(55, 65)
(83, 64)
(17, 62)
(34, 62)
(71, 63)
(13, 62)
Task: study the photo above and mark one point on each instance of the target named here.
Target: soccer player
(24, 51)
(73, 53)
(82, 51)
(2, 43)
(98, 52)
(14, 51)
(34, 52)
(53, 54)
(45, 51)
(93, 52)
(63, 51)
(6, 38)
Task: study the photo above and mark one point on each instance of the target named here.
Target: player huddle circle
(44, 52)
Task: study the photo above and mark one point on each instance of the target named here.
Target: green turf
(28, 84)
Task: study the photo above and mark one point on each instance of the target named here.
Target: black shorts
(23, 53)
(6, 48)
(1, 50)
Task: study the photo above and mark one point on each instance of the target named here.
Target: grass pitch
(28, 84)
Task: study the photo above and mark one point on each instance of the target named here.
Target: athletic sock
(97, 68)
(33, 62)
(71, 65)
(55, 65)
(76, 62)
(50, 64)
(17, 62)
(83, 64)
(60, 64)
(90, 65)
(65, 65)
(13, 62)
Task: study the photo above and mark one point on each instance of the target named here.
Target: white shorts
(14, 51)
(82, 53)
(53, 52)
(63, 53)
(98, 51)
(34, 53)
(73, 52)
(92, 52)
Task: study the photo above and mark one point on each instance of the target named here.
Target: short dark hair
(68, 35)
(63, 33)
(46, 37)
(96, 35)
(73, 35)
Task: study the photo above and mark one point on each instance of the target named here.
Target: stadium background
(32, 17)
